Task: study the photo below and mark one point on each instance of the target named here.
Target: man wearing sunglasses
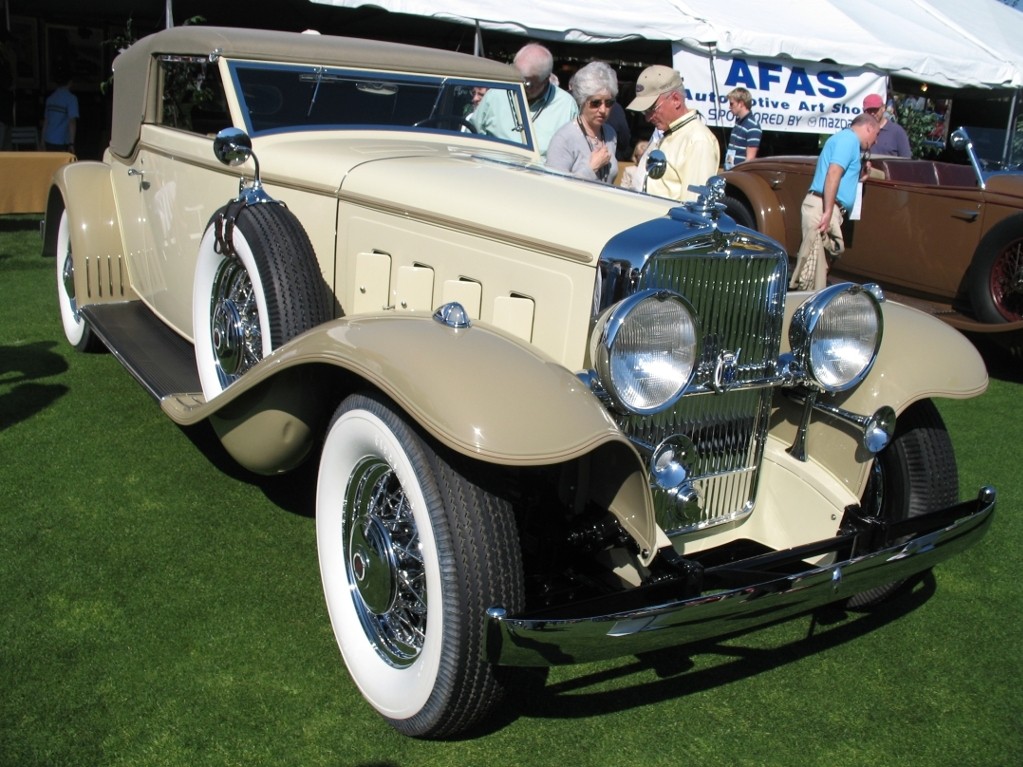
(692, 151)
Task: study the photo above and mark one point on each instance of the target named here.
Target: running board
(161, 360)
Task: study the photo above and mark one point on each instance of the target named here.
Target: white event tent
(807, 63)
(955, 43)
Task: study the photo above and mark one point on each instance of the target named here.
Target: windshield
(996, 149)
(283, 98)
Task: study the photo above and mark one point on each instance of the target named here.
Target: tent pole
(1010, 130)
(712, 49)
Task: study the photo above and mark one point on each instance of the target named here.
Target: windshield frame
(270, 101)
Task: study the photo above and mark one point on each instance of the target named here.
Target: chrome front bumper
(659, 619)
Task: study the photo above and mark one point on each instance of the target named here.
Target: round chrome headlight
(835, 335)
(644, 350)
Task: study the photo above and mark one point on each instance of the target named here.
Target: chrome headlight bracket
(876, 430)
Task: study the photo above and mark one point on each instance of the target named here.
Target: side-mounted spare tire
(257, 286)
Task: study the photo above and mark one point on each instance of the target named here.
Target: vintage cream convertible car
(555, 420)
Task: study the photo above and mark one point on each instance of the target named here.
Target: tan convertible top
(132, 67)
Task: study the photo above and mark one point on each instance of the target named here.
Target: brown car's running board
(161, 360)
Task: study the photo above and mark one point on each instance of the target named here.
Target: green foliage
(918, 126)
(126, 38)
(187, 85)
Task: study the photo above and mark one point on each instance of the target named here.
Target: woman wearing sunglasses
(586, 146)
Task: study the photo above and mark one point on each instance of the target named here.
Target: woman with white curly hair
(586, 146)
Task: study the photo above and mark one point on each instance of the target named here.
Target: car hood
(1005, 182)
(474, 189)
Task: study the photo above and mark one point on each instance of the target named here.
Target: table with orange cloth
(25, 179)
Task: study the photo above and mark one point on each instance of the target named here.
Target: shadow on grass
(830, 627)
(1005, 364)
(22, 395)
(295, 491)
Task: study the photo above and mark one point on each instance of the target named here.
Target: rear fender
(84, 190)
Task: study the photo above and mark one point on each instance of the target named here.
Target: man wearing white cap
(691, 149)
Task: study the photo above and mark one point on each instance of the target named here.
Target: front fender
(476, 390)
(920, 358)
(85, 191)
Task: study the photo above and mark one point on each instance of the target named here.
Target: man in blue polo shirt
(831, 195)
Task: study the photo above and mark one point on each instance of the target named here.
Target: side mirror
(960, 140)
(656, 164)
(232, 146)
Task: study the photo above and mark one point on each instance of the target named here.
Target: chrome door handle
(966, 214)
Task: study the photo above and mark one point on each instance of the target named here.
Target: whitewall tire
(411, 554)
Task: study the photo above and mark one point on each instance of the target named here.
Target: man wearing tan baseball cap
(691, 149)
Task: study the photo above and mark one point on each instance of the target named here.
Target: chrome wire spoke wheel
(235, 331)
(385, 564)
(1007, 282)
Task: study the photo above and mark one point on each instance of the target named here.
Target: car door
(179, 186)
(919, 237)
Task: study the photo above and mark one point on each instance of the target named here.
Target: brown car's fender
(84, 190)
(476, 390)
(756, 193)
(920, 358)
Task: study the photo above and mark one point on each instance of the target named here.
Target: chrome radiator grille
(739, 296)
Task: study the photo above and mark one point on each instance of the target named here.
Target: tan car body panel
(101, 271)
(270, 426)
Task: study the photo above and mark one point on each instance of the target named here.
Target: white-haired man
(550, 107)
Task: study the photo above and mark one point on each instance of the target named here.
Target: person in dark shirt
(744, 141)
(620, 122)
(891, 137)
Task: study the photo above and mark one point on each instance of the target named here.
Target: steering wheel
(441, 120)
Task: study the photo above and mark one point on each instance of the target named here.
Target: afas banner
(801, 97)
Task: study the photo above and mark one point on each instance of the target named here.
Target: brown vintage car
(943, 237)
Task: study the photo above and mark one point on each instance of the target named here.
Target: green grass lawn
(158, 606)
